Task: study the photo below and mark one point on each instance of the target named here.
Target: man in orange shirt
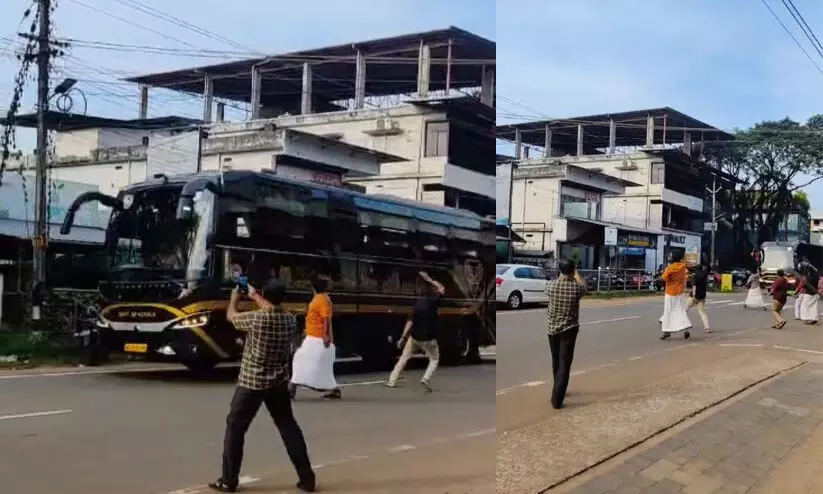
(675, 306)
(313, 365)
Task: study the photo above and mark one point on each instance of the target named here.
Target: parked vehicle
(518, 284)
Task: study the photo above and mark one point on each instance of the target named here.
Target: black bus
(176, 245)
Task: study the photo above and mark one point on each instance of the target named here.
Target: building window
(579, 207)
(437, 139)
(658, 173)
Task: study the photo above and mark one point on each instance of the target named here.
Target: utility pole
(40, 240)
(714, 190)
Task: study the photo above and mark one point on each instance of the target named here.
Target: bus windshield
(777, 257)
(146, 234)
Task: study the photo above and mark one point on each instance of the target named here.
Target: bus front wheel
(200, 365)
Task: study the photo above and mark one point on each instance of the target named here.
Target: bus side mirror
(185, 208)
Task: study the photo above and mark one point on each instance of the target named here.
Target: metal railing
(609, 280)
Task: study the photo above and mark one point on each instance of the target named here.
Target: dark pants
(244, 406)
(562, 348)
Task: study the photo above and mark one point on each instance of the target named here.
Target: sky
(727, 63)
(271, 26)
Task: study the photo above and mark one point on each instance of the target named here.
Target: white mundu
(313, 365)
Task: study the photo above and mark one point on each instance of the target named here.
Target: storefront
(635, 250)
(684, 243)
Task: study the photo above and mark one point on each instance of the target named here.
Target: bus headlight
(195, 321)
(102, 323)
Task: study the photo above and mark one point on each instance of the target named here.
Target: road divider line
(632, 359)
(601, 321)
(34, 414)
(361, 383)
(750, 345)
(713, 302)
(401, 448)
(804, 350)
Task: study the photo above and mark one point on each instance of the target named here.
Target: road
(161, 431)
(629, 391)
(613, 332)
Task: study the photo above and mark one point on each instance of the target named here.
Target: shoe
(334, 394)
(391, 385)
(220, 486)
(686, 335)
(426, 385)
(306, 485)
(665, 336)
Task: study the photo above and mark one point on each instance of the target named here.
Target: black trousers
(562, 349)
(244, 406)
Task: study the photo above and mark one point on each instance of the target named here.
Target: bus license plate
(136, 347)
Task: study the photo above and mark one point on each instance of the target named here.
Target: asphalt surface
(160, 432)
(613, 332)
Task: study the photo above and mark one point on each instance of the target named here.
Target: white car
(518, 284)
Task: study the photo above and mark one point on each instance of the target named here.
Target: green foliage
(772, 160)
(802, 200)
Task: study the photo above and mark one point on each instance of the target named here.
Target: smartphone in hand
(243, 284)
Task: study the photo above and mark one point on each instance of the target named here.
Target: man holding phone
(563, 324)
(264, 378)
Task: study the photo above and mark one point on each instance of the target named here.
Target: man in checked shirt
(563, 324)
(264, 378)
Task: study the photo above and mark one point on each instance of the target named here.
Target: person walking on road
(809, 302)
(779, 289)
(754, 296)
(264, 378)
(563, 325)
(700, 280)
(313, 363)
(675, 317)
(421, 332)
(799, 282)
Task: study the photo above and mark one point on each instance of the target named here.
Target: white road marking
(480, 433)
(601, 321)
(361, 383)
(714, 302)
(736, 303)
(246, 480)
(402, 447)
(34, 414)
(752, 345)
(632, 359)
(816, 352)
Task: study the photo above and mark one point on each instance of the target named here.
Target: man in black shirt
(700, 280)
(421, 332)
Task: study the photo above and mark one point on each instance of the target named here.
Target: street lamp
(63, 94)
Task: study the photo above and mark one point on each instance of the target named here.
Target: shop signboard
(610, 235)
(641, 240)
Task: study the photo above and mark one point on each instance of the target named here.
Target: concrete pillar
(526, 152)
(518, 144)
(423, 70)
(612, 136)
(650, 131)
(360, 81)
(579, 140)
(687, 143)
(547, 146)
(208, 97)
(487, 85)
(305, 97)
(449, 67)
(221, 111)
(143, 113)
(256, 91)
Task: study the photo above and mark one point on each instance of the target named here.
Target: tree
(802, 200)
(772, 161)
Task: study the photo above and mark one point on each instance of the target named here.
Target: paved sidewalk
(735, 450)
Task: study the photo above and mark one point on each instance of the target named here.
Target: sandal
(781, 325)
